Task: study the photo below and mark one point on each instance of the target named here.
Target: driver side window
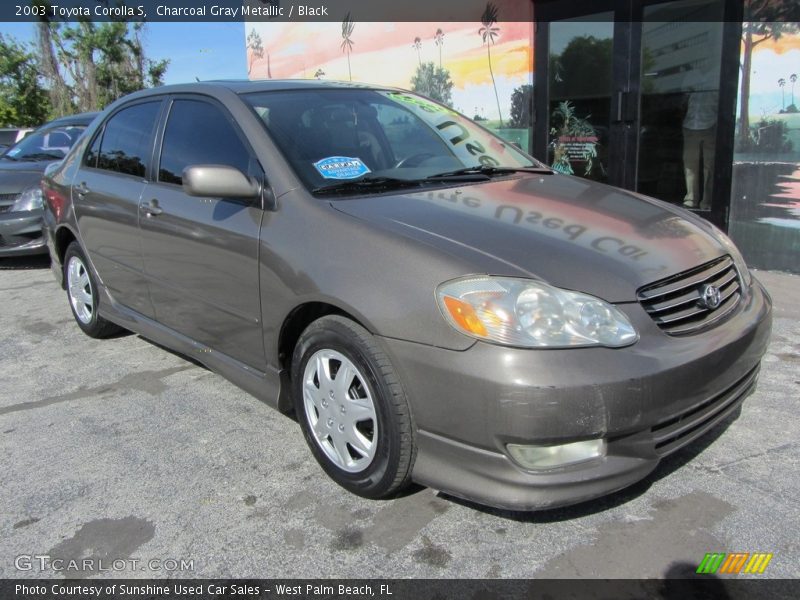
(199, 133)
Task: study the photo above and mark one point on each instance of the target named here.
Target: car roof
(79, 119)
(243, 86)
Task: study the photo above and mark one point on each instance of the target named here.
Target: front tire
(82, 295)
(352, 410)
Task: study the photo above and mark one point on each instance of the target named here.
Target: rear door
(106, 192)
(201, 254)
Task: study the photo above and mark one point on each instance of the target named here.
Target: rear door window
(126, 141)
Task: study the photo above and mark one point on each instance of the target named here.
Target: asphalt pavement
(120, 449)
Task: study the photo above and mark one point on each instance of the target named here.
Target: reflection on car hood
(571, 232)
(18, 176)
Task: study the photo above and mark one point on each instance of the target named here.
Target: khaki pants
(699, 143)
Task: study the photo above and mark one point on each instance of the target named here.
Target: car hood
(571, 232)
(17, 176)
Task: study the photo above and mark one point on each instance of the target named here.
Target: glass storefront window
(680, 75)
(580, 78)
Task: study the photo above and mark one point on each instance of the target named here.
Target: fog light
(551, 457)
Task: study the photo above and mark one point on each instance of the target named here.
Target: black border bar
(704, 586)
(317, 10)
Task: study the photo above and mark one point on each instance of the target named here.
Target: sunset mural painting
(474, 67)
(765, 203)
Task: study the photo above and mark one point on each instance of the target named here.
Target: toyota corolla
(433, 304)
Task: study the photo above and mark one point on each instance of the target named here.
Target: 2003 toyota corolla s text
(434, 304)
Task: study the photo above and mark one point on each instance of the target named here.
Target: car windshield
(47, 143)
(347, 138)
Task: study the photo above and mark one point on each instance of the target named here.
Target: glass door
(580, 75)
(639, 94)
(681, 56)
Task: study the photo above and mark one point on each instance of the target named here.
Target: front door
(635, 93)
(201, 254)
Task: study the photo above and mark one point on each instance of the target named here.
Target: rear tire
(352, 409)
(82, 295)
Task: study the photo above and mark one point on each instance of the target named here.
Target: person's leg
(691, 164)
(709, 152)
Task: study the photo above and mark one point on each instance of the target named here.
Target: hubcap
(80, 290)
(340, 410)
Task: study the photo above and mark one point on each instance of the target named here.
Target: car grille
(676, 432)
(6, 200)
(677, 305)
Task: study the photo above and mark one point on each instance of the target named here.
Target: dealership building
(689, 101)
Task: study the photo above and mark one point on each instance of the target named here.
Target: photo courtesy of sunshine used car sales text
(204, 590)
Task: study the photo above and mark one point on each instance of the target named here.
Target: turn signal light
(464, 315)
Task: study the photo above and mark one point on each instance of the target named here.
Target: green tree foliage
(88, 65)
(23, 100)
(582, 69)
(434, 82)
(521, 103)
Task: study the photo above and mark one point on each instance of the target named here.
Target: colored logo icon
(734, 563)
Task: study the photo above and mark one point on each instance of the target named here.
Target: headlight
(531, 314)
(737, 257)
(30, 199)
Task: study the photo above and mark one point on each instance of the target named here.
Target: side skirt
(266, 386)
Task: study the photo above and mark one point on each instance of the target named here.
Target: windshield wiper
(489, 171)
(40, 155)
(367, 183)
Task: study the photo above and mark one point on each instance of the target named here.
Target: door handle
(81, 189)
(152, 209)
(626, 107)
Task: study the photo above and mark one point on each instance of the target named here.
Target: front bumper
(21, 233)
(646, 400)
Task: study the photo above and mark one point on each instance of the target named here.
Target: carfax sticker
(341, 167)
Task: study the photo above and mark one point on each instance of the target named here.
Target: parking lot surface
(119, 449)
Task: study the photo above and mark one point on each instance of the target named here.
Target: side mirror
(219, 181)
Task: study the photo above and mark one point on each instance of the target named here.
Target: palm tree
(347, 43)
(438, 39)
(319, 74)
(256, 48)
(488, 33)
(782, 84)
(417, 45)
(793, 79)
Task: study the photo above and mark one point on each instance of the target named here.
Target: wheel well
(63, 238)
(296, 322)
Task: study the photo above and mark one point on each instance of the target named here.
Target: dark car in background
(21, 168)
(11, 135)
(434, 304)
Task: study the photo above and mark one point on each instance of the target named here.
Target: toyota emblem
(710, 296)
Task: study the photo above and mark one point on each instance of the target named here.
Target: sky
(195, 50)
